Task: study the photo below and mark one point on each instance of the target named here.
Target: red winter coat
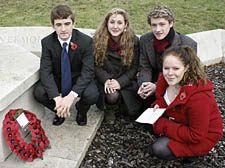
(199, 124)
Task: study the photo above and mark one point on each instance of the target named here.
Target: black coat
(113, 68)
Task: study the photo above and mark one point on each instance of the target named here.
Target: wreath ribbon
(27, 151)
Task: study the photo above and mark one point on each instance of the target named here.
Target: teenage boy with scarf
(152, 46)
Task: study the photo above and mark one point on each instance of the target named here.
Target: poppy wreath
(27, 151)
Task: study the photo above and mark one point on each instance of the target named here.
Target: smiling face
(160, 27)
(173, 69)
(63, 28)
(116, 25)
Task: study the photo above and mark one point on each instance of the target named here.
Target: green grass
(191, 15)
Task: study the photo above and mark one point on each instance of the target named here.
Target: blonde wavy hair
(160, 11)
(102, 36)
(188, 57)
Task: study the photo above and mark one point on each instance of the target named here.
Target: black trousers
(88, 97)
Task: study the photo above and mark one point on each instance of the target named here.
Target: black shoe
(81, 118)
(58, 121)
(189, 162)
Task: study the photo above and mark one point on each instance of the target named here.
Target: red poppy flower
(30, 157)
(24, 154)
(39, 151)
(73, 46)
(182, 96)
(7, 121)
(8, 128)
(16, 147)
(119, 52)
(40, 144)
(46, 141)
(29, 116)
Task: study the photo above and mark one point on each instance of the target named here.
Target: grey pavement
(69, 142)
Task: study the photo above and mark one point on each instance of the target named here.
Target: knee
(93, 97)
(161, 150)
(156, 150)
(112, 98)
(39, 93)
(90, 96)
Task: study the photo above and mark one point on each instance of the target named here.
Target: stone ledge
(30, 37)
(211, 44)
(19, 70)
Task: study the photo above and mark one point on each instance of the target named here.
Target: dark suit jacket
(81, 59)
(149, 67)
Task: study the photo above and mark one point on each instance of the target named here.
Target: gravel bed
(127, 144)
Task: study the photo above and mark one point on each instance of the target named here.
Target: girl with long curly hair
(191, 124)
(116, 52)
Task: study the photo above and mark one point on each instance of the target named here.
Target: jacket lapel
(151, 52)
(57, 46)
(177, 40)
(72, 52)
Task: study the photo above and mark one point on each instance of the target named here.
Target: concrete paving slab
(47, 162)
(69, 142)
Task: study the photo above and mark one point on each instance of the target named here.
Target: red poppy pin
(119, 52)
(182, 95)
(73, 46)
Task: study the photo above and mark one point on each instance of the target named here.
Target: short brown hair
(160, 12)
(61, 12)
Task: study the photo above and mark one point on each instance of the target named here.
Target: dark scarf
(114, 46)
(161, 45)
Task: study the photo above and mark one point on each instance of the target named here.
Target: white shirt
(166, 98)
(67, 48)
(67, 41)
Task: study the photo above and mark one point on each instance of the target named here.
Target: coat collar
(151, 50)
(185, 92)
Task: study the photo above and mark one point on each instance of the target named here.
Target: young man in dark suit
(66, 69)
(152, 46)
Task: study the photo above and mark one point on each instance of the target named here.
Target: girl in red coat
(191, 124)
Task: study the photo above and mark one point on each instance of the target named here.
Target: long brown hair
(188, 57)
(102, 36)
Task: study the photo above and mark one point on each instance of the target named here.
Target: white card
(150, 117)
(22, 120)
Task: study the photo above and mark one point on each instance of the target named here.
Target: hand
(115, 84)
(58, 102)
(108, 87)
(64, 109)
(155, 107)
(146, 89)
